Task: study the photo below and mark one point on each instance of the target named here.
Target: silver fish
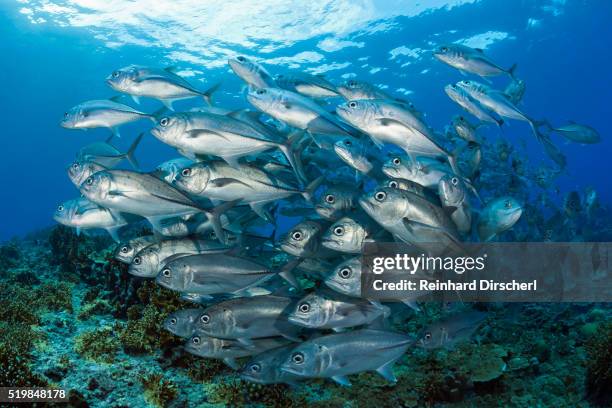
(464, 100)
(578, 133)
(345, 278)
(101, 113)
(248, 184)
(323, 310)
(426, 171)
(304, 240)
(391, 122)
(82, 214)
(251, 72)
(472, 60)
(144, 195)
(126, 251)
(170, 169)
(148, 262)
(212, 273)
(498, 216)
(229, 350)
(162, 84)
(450, 331)
(108, 155)
(356, 154)
(337, 200)
(411, 218)
(300, 112)
(454, 198)
(264, 368)
(79, 171)
(313, 86)
(349, 234)
(515, 90)
(464, 129)
(248, 318)
(182, 322)
(337, 355)
(220, 135)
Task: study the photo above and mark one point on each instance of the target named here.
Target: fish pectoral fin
(387, 371)
(262, 211)
(225, 181)
(168, 103)
(136, 99)
(412, 304)
(231, 363)
(342, 380)
(113, 232)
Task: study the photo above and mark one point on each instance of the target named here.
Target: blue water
(56, 54)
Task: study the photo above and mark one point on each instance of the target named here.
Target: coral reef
(599, 365)
(157, 390)
(234, 392)
(99, 345)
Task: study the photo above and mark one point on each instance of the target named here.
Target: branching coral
(599, 365)
(99, 345)
(157, 390)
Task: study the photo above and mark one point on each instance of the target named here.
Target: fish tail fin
(511, 71)
(289, 149)
(207, 95)
(158, 114)
(311, 188)
(214, 216)
(130, 153)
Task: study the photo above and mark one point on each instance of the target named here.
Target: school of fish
(352, 163)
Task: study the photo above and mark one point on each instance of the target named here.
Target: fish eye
(393, 184)
(241, 58)
(454, 181)
(297, 235)
(339, 230)
(164, 121)
(256, 367)
(508, 204)
(444, 49)
(260, 91)
(297, 358)
(348, 142)
(186, 172)
(137, 260)
(304, 308)
(65, 115)
(330, 198)
(205, 319)
(89, 181)
(380, 196)
(166, 272)
(427, 336)
(124, 250)
(397, 161)
(466, 82)
(195, 340)
(461, 118)
(116, 74)
(345, 273)
(352, 104)
(60, 208)
(173, 320)
(352, 84)
(75, 166)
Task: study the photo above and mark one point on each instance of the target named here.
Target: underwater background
(71, 315)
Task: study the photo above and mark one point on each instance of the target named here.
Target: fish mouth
(296, 320)
(155, 132)
(366, 205)
(331, 243)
